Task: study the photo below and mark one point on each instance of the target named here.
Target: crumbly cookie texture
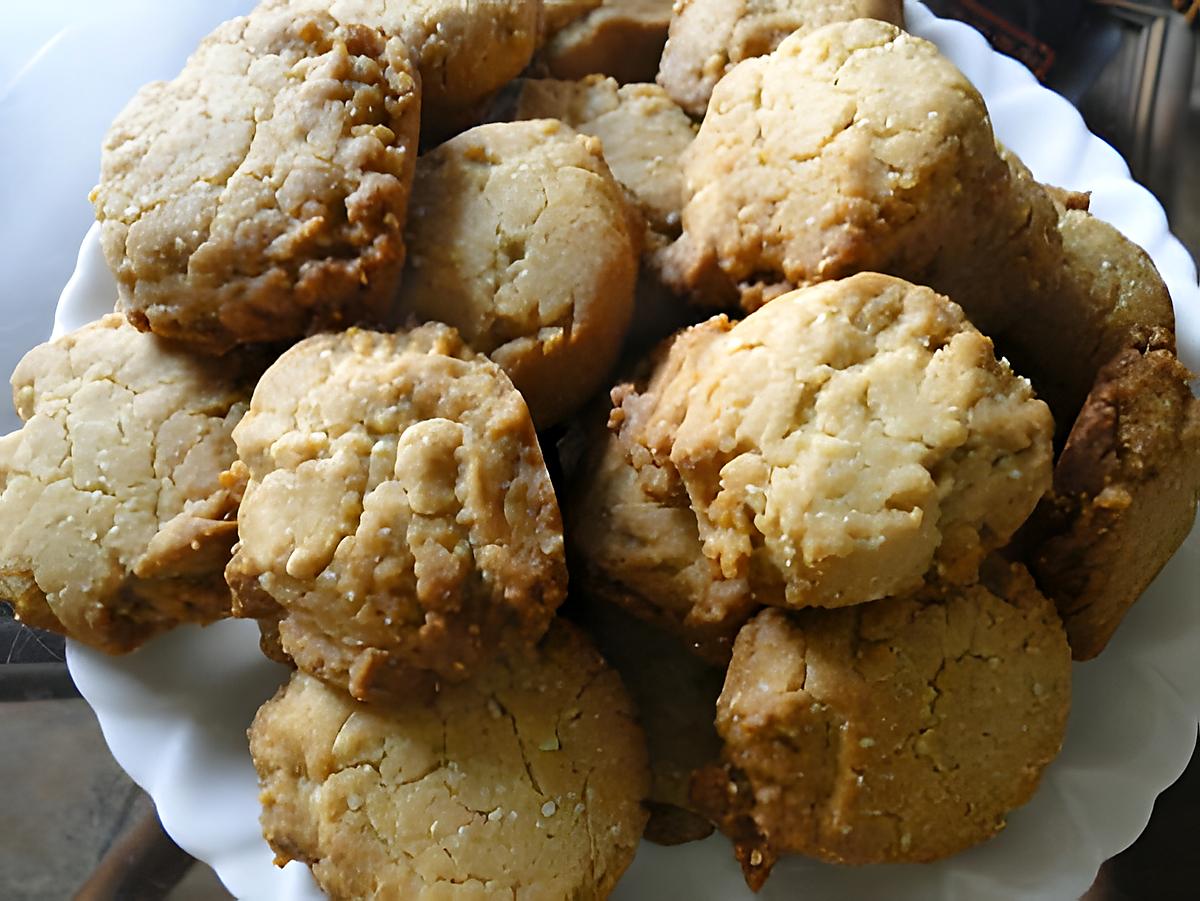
(858, 147)
(904, 730)
(524, 782)
(1125, 491)
(634, 537)
(644, 136)
(115, 521)
(465, 49)
(621, 38)
(398, 519)
(263, 191)
(676, 697)
(521, 239)
(834, 447)
(707, 38)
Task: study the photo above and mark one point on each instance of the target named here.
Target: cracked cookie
(675, 693)
(524, 782)
(115, 521)
(707, 38)
(633, 536)
(644, 136)
(834, 447)
(465, 49)
(904, 730)
(858, 147)
(263, 192)
(398, 520)
(521, 239)
(621, 38)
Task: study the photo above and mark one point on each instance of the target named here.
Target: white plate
(175, 712)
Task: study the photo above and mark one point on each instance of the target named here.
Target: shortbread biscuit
(263, 192)
(644, 136)
(634, 537)
(522, 240)
(115, 522)
(837, 446)
(1126, 487)
(707, 38)
(524, 782)
(465, 49)
(858, 147)
(398, 519)
(621, 38)
(904, 730)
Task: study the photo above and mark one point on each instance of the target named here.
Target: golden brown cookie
(522, 240)
(398, 519)
(115, 522)
(634, 538)
(858, 147)
(644, 136)
(465, 49)
(621, 38)
(904, 730)
(263, 192)
(676, 697)
(707, 38)
(1126, 487)
(832, 448)
(524, 782)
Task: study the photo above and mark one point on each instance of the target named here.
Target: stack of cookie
(834, 544)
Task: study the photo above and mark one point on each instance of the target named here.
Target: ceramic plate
(175, 712)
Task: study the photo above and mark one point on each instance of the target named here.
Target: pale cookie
(707, 38)
(834, 447)
(115, 523)
(621, 38)
(398, 519)
(644, 136)
(858, 147)
(465, 49)
(263, 192)
(676, 697)
(524, 782)
(634, 537)
(522, 240)
(904, 730)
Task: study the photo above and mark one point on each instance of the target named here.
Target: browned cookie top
(115, 523)
(398, 518)
(524, 782)
(903, 730)
(263, 191)
(621, 38)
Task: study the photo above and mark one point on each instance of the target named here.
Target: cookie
(644, 136)
(633, 536)
(398, 520)
(835, 447)
(263, 192)
(1125, 491)
(707, 38)
(900, 731)
(621, 38)
(858, 147)
(522, 240)
(675, 693)
(464, 49)
(524, 782)
(115, 521)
